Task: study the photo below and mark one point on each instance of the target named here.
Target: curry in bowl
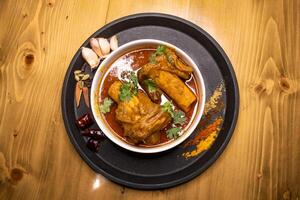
(148, 96)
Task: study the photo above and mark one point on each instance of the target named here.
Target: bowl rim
(97, 80)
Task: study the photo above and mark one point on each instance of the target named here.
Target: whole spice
(90, 57)
(93, 145)
(94, 43)
(113, 43)
(104, 45)
(85, 92)
(84, 121)
(83, 82)
(85, 77)
(78, 92)
(93, 133)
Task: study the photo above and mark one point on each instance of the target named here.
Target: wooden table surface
(37, 42)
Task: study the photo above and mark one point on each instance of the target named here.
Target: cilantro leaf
(134, 80)
(105, 106)
(125, 92)
(160, 50)
(151, 86)
(168, 107)
(179, 117)
(129, 88)
(173, 133)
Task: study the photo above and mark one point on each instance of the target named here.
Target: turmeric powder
(210, 133)
(202, 146)
(213, 127)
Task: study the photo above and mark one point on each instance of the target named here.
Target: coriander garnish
(129, 88)
(173, 133)
(106, 104)
(126, 92)
(151, 86)
(168, 107)
(160, 50)
(179, 117)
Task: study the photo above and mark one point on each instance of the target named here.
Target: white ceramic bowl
(98, 79)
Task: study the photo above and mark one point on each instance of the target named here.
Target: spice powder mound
(206, 137)
(214, 99)
(209, 134)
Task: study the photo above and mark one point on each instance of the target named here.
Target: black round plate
(170, 168)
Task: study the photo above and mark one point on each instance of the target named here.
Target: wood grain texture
(37, 42)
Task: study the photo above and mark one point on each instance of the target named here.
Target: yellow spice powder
(213, 100)
(202, 145)
(211, 131)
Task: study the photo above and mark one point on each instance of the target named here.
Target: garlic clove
(90, 57)
(114, 42)
(96, 47)
(104, 56)
(104, 45)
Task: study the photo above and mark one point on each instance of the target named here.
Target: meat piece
(114, 91)
(154, 94)
(139, 116)
(147, 125)
(153, 139)
(162, 64)
(165, 73)
(177, 62)
(174, 88)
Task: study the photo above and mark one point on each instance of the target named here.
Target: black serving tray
(170, 168)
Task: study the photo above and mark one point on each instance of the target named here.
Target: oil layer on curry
(148, 96)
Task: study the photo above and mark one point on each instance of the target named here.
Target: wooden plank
(37, 44)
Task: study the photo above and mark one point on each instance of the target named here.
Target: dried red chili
(93, 145)
(93, 133)
(84, 121)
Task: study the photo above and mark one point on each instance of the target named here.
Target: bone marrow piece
(174, 88)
